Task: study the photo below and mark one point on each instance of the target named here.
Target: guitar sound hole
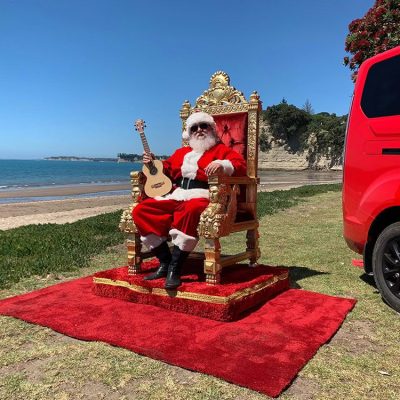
(153, 170)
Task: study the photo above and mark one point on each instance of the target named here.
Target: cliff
(282, 155)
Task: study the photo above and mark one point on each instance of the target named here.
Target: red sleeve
(167, 166)
(231, 159)
(238, 163)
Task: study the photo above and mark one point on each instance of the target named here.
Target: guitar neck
(144, 142)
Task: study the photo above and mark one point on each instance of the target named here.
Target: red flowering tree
(377, 31)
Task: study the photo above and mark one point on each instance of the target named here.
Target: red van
(371, 172)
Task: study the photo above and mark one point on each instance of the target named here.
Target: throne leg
(212, 262)
(134, 253)
(253, 246)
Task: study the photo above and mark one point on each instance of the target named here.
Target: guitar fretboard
(144, 142)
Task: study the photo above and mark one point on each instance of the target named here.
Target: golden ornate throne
(233, 200)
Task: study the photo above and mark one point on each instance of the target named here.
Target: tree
(377, 31)
(307, 107)
(328, 131)
(288, 124)
(319, 134)
(129, 157)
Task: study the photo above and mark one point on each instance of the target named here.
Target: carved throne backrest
(237, 119)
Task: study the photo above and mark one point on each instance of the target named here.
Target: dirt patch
(63, 338)
(88, 391)
(303, 389)
(34, 370)
(357, 337)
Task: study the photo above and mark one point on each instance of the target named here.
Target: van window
(381, 97)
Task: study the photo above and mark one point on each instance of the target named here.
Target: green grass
(50, 248)
(269, 203)
(360, 362)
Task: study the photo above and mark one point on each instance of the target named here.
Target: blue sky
(74, 75)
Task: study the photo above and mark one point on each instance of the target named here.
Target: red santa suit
(178, 213)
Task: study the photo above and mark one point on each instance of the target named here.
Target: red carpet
(263, 351)
(241, 289)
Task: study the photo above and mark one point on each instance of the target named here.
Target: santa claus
(178, 213)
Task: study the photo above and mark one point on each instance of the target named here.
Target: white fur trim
(152, 241)
(189, 166)
(183, 241)
(183, 194)
(196, 118)
(228, 166)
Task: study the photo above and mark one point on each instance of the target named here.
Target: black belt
(186, 183)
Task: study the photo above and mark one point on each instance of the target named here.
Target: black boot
(174, 270)
(163, 254)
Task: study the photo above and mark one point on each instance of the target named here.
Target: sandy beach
(14, 215)
(60, 211)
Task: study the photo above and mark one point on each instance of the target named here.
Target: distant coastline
(122, 158)
(73, 158)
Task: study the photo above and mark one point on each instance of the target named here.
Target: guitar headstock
(140, 125)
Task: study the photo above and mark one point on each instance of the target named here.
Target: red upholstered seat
(232, 130)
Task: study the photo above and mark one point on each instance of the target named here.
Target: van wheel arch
(383, 220)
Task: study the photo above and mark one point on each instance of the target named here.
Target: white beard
(202, 145)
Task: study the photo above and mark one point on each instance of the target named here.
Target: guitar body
(157, 183)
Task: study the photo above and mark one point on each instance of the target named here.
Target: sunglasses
(202, 126)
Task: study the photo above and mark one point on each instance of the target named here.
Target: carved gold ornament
(217, 219)
(220, 92)
(126, 223)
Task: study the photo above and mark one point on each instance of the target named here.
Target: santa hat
(197, 118)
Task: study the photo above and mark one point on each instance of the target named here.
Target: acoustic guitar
(157, 183)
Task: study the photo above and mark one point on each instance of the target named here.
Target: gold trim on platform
(195, 296)
(110, 282)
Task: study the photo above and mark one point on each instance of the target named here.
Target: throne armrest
(137, 181)
(218, 218)
(232, 180)
(247, 185)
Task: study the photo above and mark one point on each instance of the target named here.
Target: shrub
(377, 31)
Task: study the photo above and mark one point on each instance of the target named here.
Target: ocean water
(16, 174)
